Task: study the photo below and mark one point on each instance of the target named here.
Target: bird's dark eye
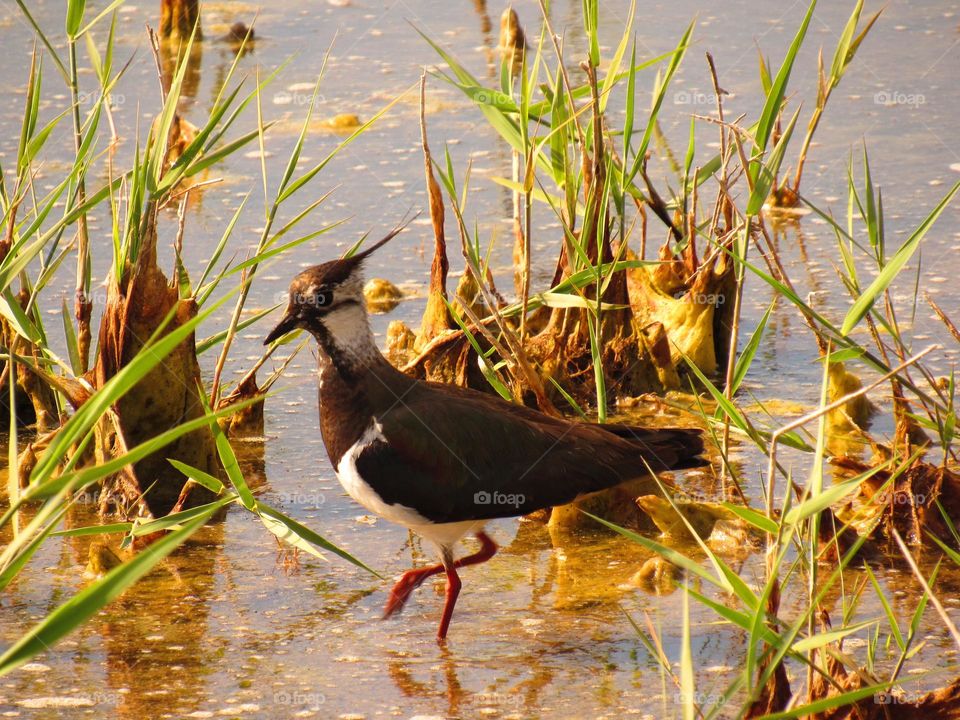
(323, 298)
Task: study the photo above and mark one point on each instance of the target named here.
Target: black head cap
(317, 289)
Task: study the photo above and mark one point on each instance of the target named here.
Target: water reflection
(402, 673)
(480, 6)
(160, 625)
(416, 680)
(171, 54)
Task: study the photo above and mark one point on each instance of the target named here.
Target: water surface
(234, 625)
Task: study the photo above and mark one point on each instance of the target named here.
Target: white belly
(445, 535)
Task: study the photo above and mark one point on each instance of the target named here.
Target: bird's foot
(408, 582)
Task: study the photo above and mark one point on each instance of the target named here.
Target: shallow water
(233, 625)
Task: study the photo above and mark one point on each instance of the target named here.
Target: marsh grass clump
(140, 304)
(613, 318)
(140, 427)
(620, 320)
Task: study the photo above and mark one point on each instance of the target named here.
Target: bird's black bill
(286, 324)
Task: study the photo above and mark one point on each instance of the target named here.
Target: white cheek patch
(347, 325)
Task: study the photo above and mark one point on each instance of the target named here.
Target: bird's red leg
(408, 582)
(488, 548)
(412, 579)
(453, 590)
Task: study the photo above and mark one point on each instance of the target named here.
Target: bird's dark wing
(514, 461)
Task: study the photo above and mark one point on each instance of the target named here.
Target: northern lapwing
(443, 460)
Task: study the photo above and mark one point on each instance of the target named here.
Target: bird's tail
(664, 448)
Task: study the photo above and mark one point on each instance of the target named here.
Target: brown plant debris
(909, 503)
(138, 303)
(687, 299)
(381, 295)
(247, 420)
(238, 33)
(102, 558)
(400, 343)
(775, 693)
(854, 414)
(705, 517)
(658, 576)
(341, 123)
(513, 43)
(36, 402)
(436, 316)
(834, 679)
